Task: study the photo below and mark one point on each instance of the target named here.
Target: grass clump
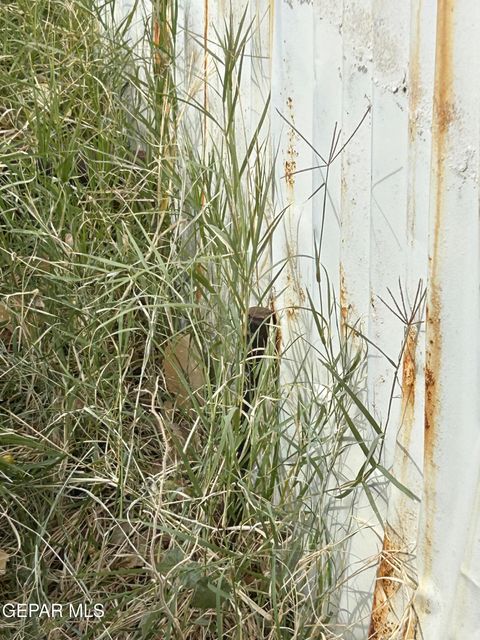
(134, 472)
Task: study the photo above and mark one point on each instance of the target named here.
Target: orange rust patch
(429, 393)
(444, 114)
(443, 63)
(411, 626)
(384, 622)
(409, 371)
(444, 110)
(381, 627)
(432, 364)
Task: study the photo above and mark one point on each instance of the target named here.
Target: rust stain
(384, 622)
(444, 103)
(415, 77)
(430, 381)
(444, 115)
(415, 95)
(409, 370)
(442, 119)
(386, 586)
(411, 628)
(409, 367)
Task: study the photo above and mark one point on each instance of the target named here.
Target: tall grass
(126, 250)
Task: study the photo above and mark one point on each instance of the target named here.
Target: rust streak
(415, 77)
(385, 623)
(409, 368)
(415, 95)
(411, 627)
(386, 586)
(443, 116)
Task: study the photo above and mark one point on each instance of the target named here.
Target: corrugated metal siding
(402, 207)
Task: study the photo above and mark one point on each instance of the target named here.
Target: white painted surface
(402, 204)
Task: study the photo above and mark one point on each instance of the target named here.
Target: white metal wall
(403, 206)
